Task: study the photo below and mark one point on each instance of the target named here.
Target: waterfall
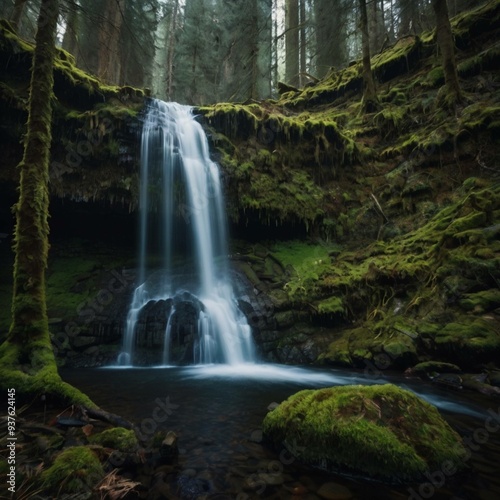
(181, 198)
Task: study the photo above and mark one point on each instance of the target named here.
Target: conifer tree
(369, 93)
(447, 48)
(292, 42)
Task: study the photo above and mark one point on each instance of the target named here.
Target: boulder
(379, 431)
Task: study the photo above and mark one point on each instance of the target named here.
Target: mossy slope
(401, 206)
(430, 292)
(312, 156)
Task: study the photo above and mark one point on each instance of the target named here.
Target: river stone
(378, 431)
(334, 491)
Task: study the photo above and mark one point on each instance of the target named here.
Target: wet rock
(191, 488)
(169, 450)
(452, 380)
(285, 319)
(494, 378)
(478, 383)
(256, 436)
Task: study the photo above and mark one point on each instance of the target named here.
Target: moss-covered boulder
(75, 470)
(378, 431)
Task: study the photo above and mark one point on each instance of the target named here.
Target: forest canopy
(206, 51)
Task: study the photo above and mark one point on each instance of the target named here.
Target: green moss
(479, 116)
(435, 77)
(381, 431)
(75, 470)
(332, 305)
(482, 301)
(117, 438)
(398, 59)
(336, 357)
(36, 375)
(301, 255)
(469, 341)
(391, 119)
(69, 283)
(308, 262)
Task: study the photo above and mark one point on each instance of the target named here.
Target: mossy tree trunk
(447, 47)
(27, 361)
(370, 101)
(29, 315)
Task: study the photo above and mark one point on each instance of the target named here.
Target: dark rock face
(152, 323)
(94, 337)
(182, 311)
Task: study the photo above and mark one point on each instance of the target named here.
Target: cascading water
(174, 150)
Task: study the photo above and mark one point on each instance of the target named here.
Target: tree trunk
(29, 315)
(447, 47)
(109, 37)
(376, 25)
(254, 49)
(27, 361)
(17, 13)
(409, 17)
(330, 29)
(70, 40)
(303, 44)
(292, 42)
(171, 50)
(369, 93)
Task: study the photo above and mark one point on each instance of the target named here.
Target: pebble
(298, 490)
(272, 479)
(256, 436)
(334, 491)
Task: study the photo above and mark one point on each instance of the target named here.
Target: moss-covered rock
(75, 470)
(379, 431)
(117, 438)
(470, 341)
(432, 368)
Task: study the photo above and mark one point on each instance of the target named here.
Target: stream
(217, 410)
